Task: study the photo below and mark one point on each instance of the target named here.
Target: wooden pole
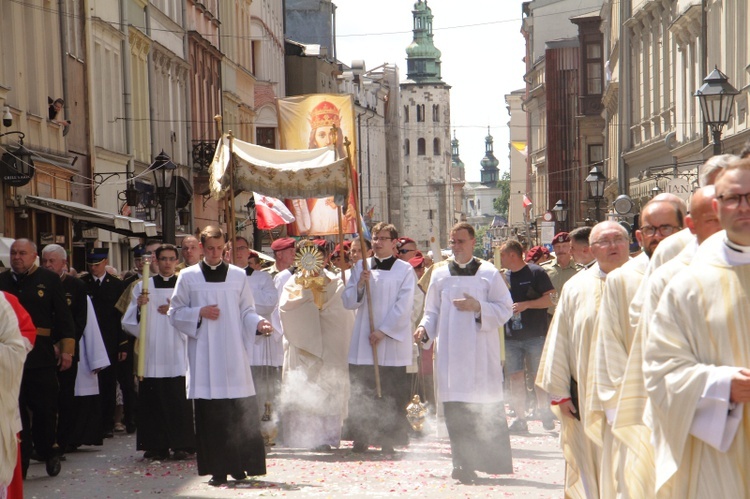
(231, 226)
(341, 244)
(363, 248)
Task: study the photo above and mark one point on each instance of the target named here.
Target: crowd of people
(640, 355)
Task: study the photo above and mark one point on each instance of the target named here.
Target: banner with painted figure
(305, 122)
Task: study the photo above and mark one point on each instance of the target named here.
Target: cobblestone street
(116, 470)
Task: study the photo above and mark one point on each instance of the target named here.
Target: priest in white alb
(164, 415)
(565, 360)
(213, 306)
(697, 359)
(466, 307)
(315, 387)
(614, 335)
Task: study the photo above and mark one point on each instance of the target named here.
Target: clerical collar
(166, 278)
(736, 247)
(588, 265)
(464, 265)
(212, 267)
(384, 264)
(249, 270)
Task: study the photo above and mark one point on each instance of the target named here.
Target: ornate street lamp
(655, 190)
(561, 211)
(163, 170)
(716, 97)
(17, 165)
(596, 181)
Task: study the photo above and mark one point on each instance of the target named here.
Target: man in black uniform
(55, 259)
(104, 290)
(41, 294)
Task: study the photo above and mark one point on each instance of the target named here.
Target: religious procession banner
(278, 173)
(306, 122)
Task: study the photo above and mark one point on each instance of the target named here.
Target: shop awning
(127, 226)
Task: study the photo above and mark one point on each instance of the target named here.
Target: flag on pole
(526, 201)
(271, 212)
(521, 147)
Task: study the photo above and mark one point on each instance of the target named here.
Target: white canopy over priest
(213, 305)
(466, 306)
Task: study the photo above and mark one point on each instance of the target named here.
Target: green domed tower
(422, 58)
(489, 162)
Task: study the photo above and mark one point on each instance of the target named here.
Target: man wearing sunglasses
(406, 248)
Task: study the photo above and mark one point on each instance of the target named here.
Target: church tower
(425, 193)
(489, 163)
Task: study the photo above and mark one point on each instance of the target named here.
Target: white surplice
(392, 294)
(697, 339)
(166, 347)
(219, 351)
(92, 355)
(467, 349)
(268, 350)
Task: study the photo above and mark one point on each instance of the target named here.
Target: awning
(127, 226)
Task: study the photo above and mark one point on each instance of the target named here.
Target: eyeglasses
(664, 230)
(376, 239)
(611, 242)
(167, 258)
(734, 201)
(405, 251)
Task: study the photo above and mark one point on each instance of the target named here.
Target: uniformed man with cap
(105, 289)
(41, 294)
(561, 267)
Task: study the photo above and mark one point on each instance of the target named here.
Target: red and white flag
(271, 212)
(526, 201)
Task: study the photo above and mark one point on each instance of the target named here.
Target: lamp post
(655, 191)
(716, 97)
(561, 212)
(163, 170)
(597, 181)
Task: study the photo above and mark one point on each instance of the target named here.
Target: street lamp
(597, 181)
(655, 190)
(716, 97)
(163, 170)
(561, 212)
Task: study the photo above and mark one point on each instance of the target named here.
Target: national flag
(271, 212)
(526, 201)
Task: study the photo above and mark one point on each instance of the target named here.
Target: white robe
(566, 354)
(392, 303)
(166, 347)
(267, 350)
(467, 352)
(697, 340)
(315, 388)
(12, 356)
(92, 355)
(219, 351)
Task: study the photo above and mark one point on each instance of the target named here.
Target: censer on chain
(416, 411)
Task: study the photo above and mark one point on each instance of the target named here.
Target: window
(436, 113)
(266, 137)
(436, 147)
(406, 147)
(420, 147)
(594, 68)
(420, 112)
(596, 153)
(406, 114)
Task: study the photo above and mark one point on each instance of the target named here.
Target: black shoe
(156, 455)
(519, 426)
(321, 448)
(359, 447)
(387, 449)
(217, 480)
(179, 455)
(239, 476)
(53, 466)
(108, 434)
(463, 475)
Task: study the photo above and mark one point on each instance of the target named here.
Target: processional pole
(228, 201)
(363, 248)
